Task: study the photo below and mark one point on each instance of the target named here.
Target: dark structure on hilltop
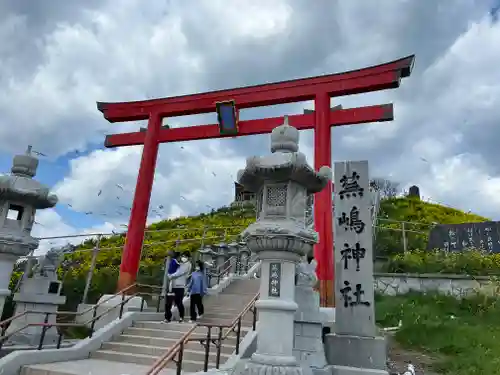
(414, 192)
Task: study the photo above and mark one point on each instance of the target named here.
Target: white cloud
(463, 176)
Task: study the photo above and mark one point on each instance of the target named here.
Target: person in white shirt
(177, 281)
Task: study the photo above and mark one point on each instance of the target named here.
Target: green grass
(463, 335)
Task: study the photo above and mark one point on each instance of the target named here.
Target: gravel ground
(399, 359)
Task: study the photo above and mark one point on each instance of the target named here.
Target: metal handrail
(26, 312)
(178, 347)
(46, 325)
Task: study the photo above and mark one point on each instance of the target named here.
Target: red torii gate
(320, 89)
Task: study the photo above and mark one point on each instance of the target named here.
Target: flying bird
(38, 153)
(99, 193)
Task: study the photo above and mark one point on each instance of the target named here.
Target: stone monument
(308, 324)
(39, 294)
(355, 347)
(20, 197)
(282, 182)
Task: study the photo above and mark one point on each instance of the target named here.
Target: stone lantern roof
(285, 163)
(19, 186)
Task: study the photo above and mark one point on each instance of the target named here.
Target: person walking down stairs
(171, 266)
(177, 283)
(197, 288)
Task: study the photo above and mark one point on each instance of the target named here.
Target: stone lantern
(20, 197)
(221, 255)
(280, 238)
(233, 252)
(244, 257)
(207, 255)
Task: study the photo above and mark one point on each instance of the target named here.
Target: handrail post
(44, 331)
(207, 349)
(158, 303)
(59, 339)
(179, 358)
(90, 273)
(122, 304)
(2, 334)
(254, 318)
(238, 336)
(92, 324)
(219, 347)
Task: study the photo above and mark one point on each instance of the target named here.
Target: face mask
(183, 259)
(197, 268)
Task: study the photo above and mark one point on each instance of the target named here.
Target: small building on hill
(241, 196)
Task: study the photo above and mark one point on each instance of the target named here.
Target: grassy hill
(188, 234)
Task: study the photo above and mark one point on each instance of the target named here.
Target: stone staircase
(136, 349)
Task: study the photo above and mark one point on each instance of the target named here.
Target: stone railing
(456, 285)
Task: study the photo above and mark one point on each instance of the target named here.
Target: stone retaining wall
(456, 285)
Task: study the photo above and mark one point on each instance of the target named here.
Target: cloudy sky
(58, 57)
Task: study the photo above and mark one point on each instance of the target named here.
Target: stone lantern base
(41, 296)
(269, 365)
(308, 330)
(366, 355)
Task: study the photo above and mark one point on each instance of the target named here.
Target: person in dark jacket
(197, 289)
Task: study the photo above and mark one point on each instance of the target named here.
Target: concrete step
(89, 366)
(245, 291)
(167, 334)
(172, 326)
(223, 315)
(227, 302)
(228, 345)
(224, 323)
(194, 352)
(175, 335)
(248, 286)
(188, 365)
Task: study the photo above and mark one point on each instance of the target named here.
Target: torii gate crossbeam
(320, 89)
